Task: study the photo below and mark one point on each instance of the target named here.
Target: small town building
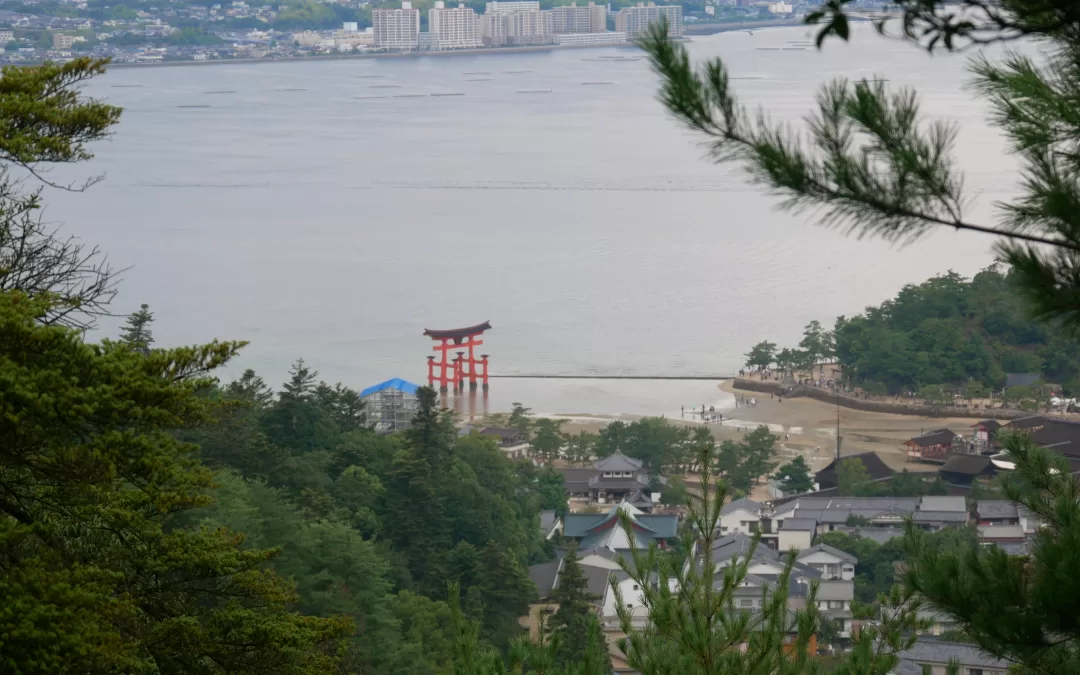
(933, 657)
(740, 515)
(511, 441)
(831, 562)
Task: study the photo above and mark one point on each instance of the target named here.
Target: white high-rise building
(573, 19)
(456, 27)
(500, 7)
(636, 20)
(520, 22)
(396, 28)
(529, 28)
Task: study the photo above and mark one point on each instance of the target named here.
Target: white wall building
(528, 28)
(740, 515)
(511, 7)
(634, 21)
(456, 27)
(570, 18)
(6, 36)
(518, 23)
(831, 562)
(397, 29)
(780, 8)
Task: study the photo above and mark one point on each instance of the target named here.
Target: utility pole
(838, 427)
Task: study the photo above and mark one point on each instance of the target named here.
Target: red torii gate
(458, 369)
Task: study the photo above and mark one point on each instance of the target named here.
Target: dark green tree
(136, 333)
(815, 343)
(852, 479)
(795, 476)
(761, 355)
(551, 490)
(549, 439)
(575, 611)
(521, 420)
(97, 574)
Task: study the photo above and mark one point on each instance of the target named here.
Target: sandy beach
(806, 427)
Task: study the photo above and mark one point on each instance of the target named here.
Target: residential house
(796, 533)
(844, 513)
(740, 515)
(511, 441)
(932, 657)
(997, 512)
(877, 469)
(934, 446)
(831, 562)
(834, 602)
(605, 531)
(936, 513)
(1001, 534)
(766, 566)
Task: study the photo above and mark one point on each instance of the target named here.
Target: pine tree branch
(873, 170)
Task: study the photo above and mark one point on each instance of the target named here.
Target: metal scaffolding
(391, 405)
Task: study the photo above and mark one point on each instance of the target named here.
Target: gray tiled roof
(997, 509)
(836, 590)
(543, 575)
(547, 520)
(1001, 532)
(799, 524)
(617, 462)
(878, 534)
(926, 650)
(932, 503)
(744, 503)
(831, 550)
(940, 517)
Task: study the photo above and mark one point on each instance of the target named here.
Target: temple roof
(458, 332)
(617, 462)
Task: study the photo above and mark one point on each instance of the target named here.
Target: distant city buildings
(397, 29)
(454, 27)
(516, 23)
(61, 41)
(635, 21)
(573, 19)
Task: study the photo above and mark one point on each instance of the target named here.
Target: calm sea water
(315, 221)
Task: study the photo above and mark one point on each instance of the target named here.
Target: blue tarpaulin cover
(396, 383)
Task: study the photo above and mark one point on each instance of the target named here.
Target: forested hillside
(953, 331)
(376, 527)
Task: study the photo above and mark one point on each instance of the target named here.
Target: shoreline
(370, 55)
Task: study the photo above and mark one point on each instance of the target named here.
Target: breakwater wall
(870, 405)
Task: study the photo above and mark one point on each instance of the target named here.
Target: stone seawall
(895, 408)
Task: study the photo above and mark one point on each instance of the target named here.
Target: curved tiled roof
(458, 332)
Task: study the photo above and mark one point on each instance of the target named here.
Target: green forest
(312, 543)
(947, 335)
(377, 527)
(953, 331)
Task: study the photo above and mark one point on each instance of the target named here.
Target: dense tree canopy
(947, 336)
